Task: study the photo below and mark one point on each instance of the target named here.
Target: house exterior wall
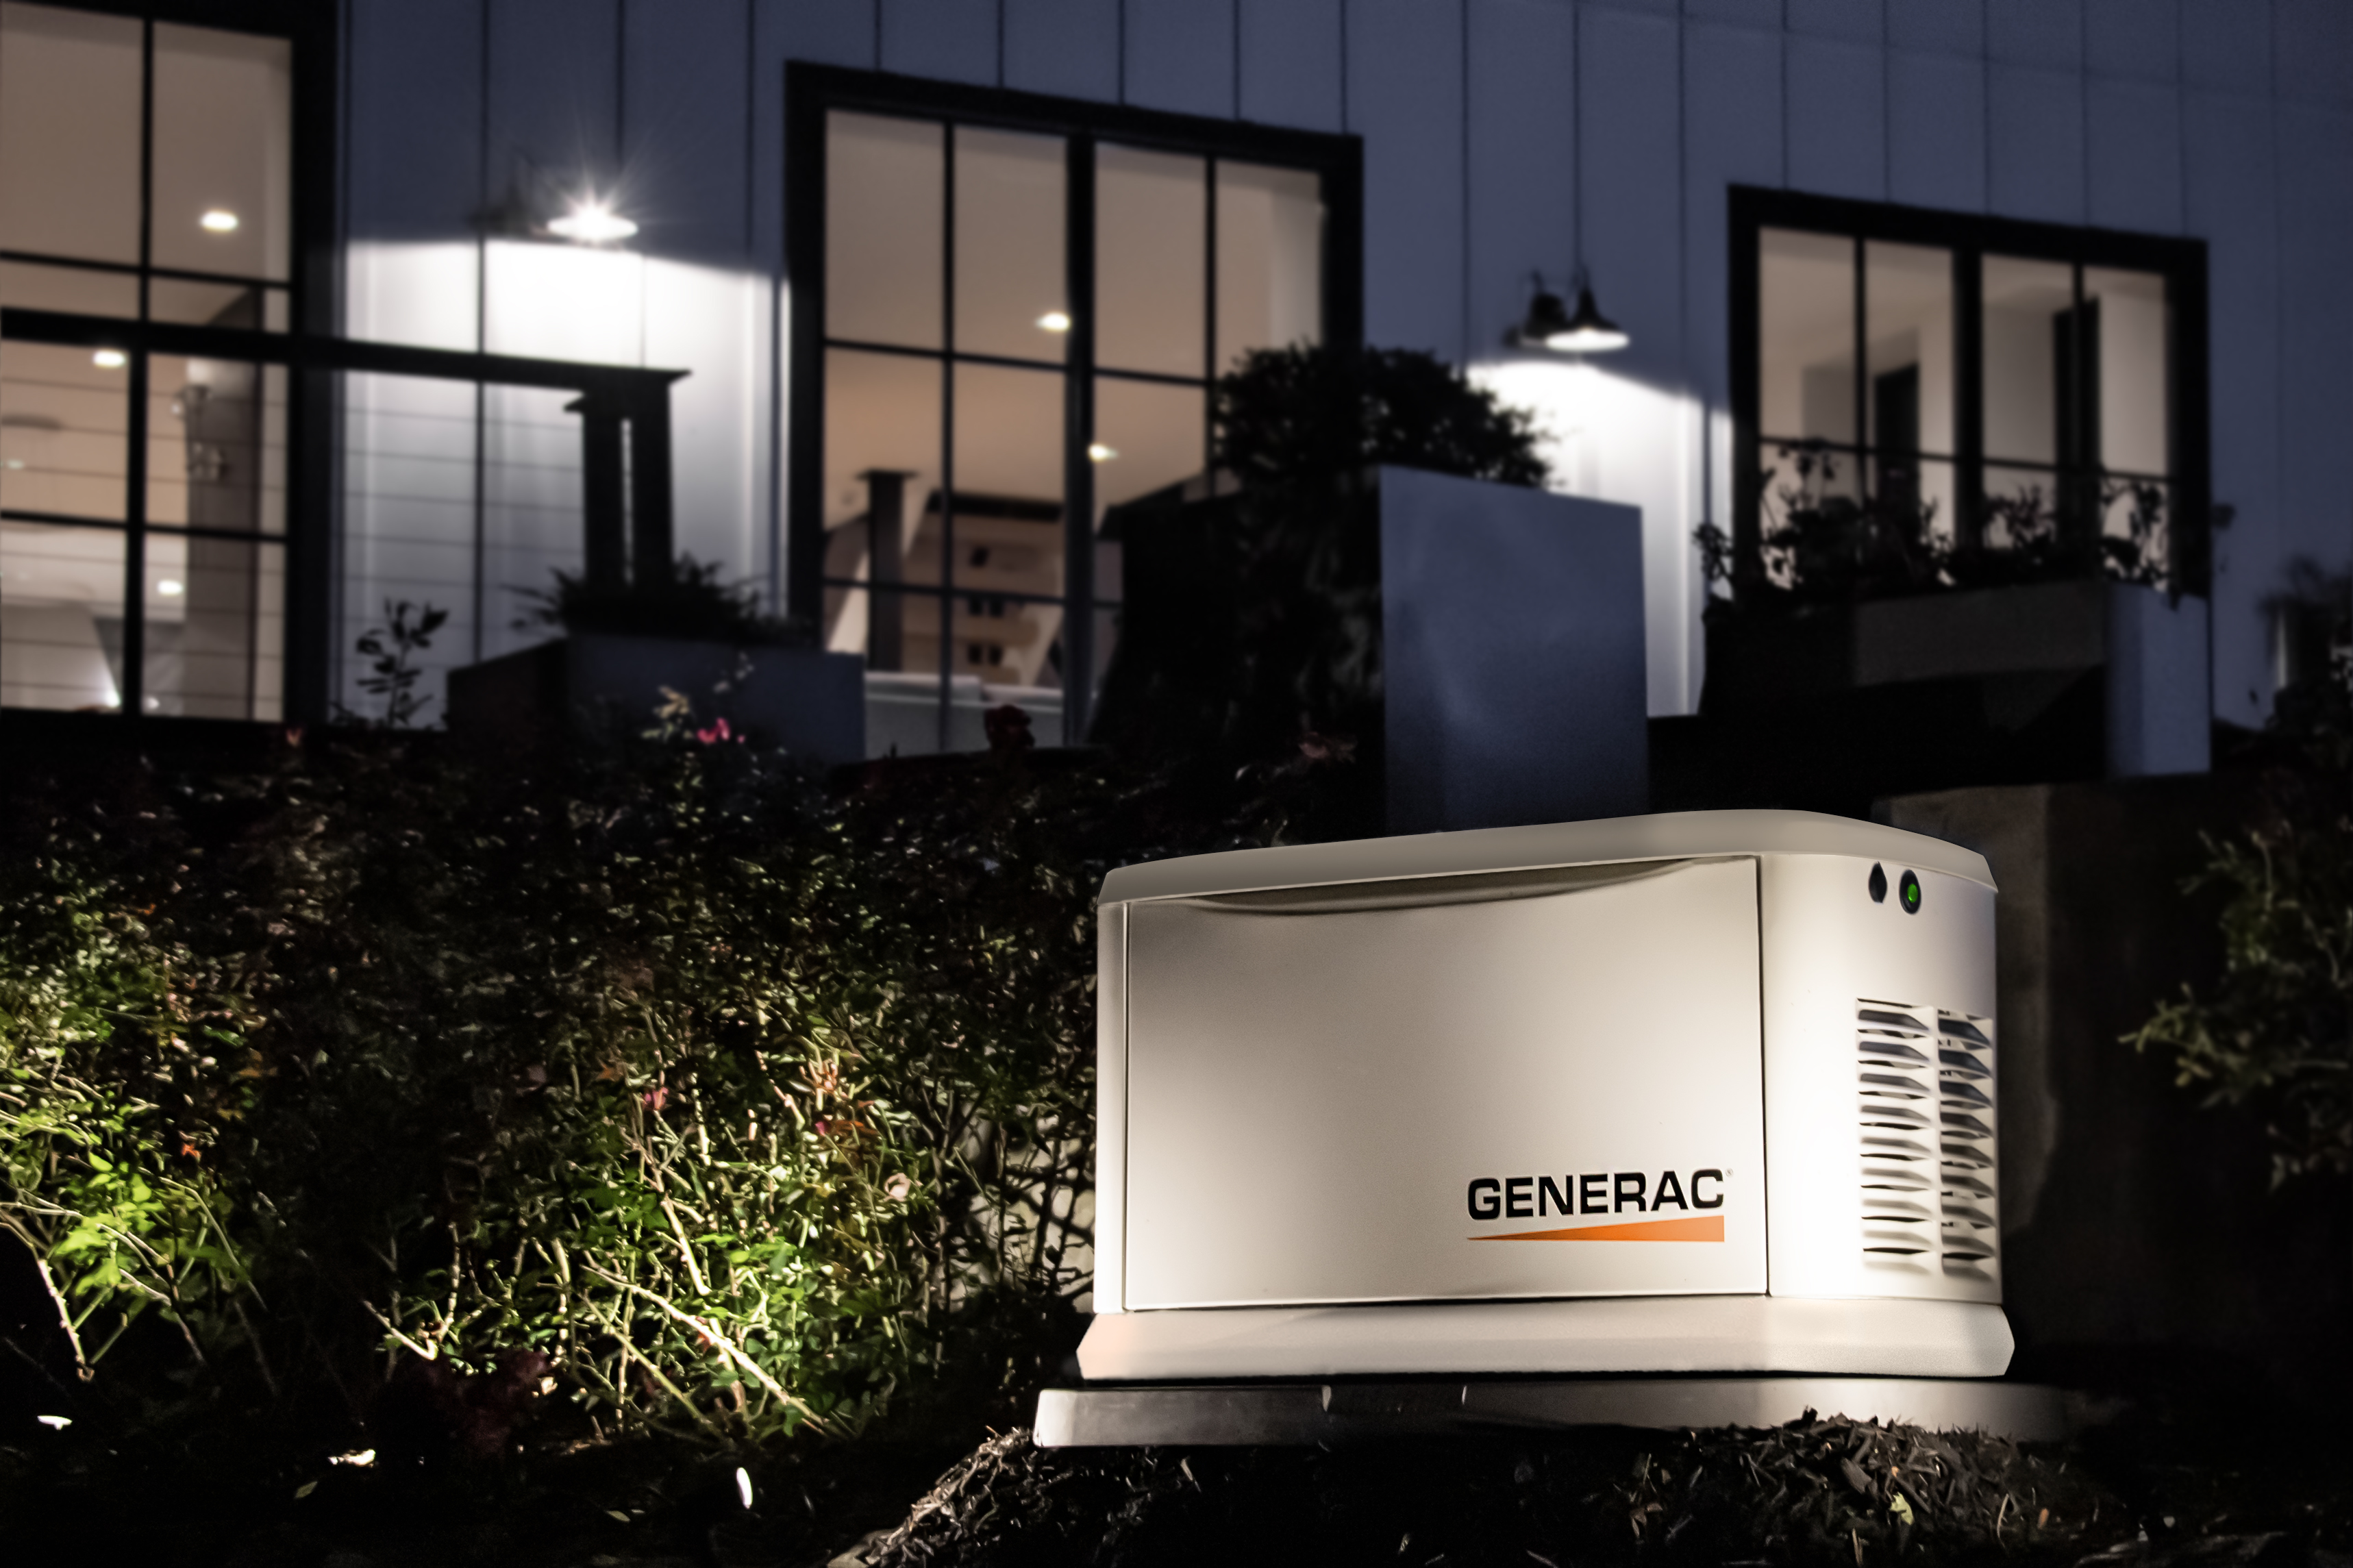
(1487, 126)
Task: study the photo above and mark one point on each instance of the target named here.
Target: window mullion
(947, 430)
(1968, 396)
(1078, 436)
(1860, 427)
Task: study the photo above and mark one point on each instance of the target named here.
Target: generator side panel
(1879, 1064)
(1111, 1109)
(1549, 1096)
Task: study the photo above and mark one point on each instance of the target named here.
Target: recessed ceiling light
(15, 462)
(218, 220)
(1101, 453)
(110, 359)
(170, 587)
(1055, 321)
(591, 223)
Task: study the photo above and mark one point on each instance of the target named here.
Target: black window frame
(314, 301)
(813, 91)
(1969, 237)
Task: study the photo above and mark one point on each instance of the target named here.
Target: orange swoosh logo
(1708, 1229)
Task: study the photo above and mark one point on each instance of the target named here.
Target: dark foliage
(1252, 624)
(1299, 417)
(690, 603)
(1822, 545)
(391, 678)
(2275, 1032)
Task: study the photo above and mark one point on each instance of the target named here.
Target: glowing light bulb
(110, 359)
(1101, 453)
(170, 587)
(592, 222)
(1055, 321)
(218, 220)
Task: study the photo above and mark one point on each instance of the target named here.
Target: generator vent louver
(1927, 1140)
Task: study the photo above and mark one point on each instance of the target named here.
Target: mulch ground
(2152, 1491)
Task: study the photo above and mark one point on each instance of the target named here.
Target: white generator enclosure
(1710, 1092)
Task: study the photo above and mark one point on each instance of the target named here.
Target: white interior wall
(2229, 121)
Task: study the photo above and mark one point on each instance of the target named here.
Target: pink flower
(718, 731)
(656, 1099)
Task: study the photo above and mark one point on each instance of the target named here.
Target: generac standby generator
(1703, 1092)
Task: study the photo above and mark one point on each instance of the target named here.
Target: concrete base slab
(1301, 1413)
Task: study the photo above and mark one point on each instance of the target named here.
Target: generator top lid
(1675, 836)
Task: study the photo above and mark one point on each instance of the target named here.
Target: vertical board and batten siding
(2202, 117)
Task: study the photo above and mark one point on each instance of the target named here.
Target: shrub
(729, 1107)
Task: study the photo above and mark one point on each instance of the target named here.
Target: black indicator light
(1878, 885)
(1909, 891)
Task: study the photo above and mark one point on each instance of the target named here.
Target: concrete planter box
(2139, 652)
(805, 702)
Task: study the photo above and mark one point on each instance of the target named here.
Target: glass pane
(532, 525)
(2135, 408)
(1806, 347)
(1007, 527)
(1799, 483)
(885, 226)
(216, 304)
(1269, 259)
(2029, 310)
(408, 528)
(1011, 259)
(70, 89)
(1147, 436)
(65, 423)
(215, 627)
(221, 174)
(215, 445)
(881, 462)
(61, 617)
(1908, 308)
(76, 288)
(1151, 281)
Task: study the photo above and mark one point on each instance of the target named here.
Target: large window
(145, 176)
(1007, 315)
(2016, 389)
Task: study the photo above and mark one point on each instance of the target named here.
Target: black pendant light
(1550, 326)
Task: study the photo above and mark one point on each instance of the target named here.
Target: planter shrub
(381, 1087)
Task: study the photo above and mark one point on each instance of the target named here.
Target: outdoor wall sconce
(1549, 325)
(591, 222)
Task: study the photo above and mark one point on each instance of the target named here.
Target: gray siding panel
(1180, 56)
(1946, 27)
(2035, 32)
(1732, 120)
(2315, 262)
(1937, 131)
(415, 115)
(1836, 119)
(1405, 94)
(1291, 70)
(1523, 128)
(2036, 120)
(684, 124)
(1069, 47)
(2230, 201)
(2315, 53)
(1631, 71)
(2137, 39)
(555, 91)
(1859, 21)
(2227, 43)
(952, 40)
(2136, 155)
(839, 33)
